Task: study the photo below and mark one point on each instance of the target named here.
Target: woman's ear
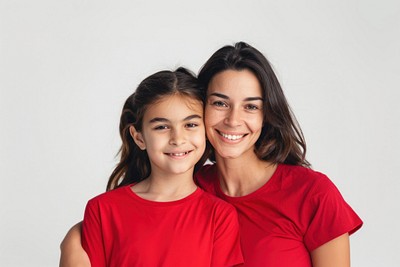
(137, 137)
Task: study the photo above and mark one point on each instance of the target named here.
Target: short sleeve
(226, 249)
(92, 240)
(332, 216)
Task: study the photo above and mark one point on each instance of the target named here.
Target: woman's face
(234, 113)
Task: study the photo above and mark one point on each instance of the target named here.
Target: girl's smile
(173, 135)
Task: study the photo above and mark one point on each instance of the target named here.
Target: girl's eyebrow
(188, 118)
(158, 119)
(191, 117)
(255, 98)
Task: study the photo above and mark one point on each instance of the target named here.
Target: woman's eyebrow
(220, 95)
(255, 98)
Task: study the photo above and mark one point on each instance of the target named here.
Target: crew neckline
(270, 185)
(189, 197)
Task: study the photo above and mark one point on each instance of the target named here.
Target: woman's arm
(335, 253)
(72, 253)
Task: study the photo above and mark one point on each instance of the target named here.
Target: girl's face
(234, 113)
(173, 135)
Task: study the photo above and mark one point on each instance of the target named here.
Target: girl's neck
(242, 176)
(163, 189)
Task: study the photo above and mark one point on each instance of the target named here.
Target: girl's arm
(335, 253)
(72, 253)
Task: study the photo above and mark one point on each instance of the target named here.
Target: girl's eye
(219, 104)
(191, 125)
(161, 127)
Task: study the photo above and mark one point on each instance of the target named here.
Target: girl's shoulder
(219, 209)
(112, 196)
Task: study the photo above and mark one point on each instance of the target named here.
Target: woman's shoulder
(301, 171)
(205, 178)
(305, 177)
(206, 171)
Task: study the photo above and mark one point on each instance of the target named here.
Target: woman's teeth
(232, 136)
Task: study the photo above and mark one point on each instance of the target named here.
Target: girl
(153, 213)
(289, 214)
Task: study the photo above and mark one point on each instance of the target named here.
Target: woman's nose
(233, 117)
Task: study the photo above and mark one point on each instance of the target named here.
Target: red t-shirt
(122, 229)
(296, 211)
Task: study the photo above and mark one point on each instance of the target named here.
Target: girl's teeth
(178, 154)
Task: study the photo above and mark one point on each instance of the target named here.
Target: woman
(289, 215)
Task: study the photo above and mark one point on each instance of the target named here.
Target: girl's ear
(137, 137)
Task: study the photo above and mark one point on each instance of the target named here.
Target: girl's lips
(178, 154)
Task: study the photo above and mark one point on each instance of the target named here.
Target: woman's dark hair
(281, 139)
(134, 164)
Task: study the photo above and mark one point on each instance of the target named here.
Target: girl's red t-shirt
(122, 229)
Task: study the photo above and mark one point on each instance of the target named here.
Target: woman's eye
(219, 104)
(251, 107)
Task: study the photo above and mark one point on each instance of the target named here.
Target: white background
(66, 68)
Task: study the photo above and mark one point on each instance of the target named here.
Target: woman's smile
(233, 113)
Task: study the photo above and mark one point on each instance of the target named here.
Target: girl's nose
(177, 137)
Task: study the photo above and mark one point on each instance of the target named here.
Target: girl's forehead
(174, 105)
(179, 99)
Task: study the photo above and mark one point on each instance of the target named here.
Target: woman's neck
(242, 176)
